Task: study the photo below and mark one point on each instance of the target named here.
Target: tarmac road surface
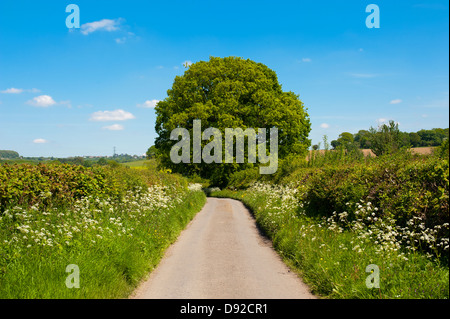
(221, 255)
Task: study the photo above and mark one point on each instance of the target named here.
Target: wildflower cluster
(195, 187)
(389, 237)
(89, 218)
(280, 198)
(363, 219)
(280, 202)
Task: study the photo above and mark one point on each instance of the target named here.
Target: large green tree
(224, 93)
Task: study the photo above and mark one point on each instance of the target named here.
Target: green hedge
(54, 184)
(401, 187)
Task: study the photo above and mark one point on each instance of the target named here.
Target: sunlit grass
(332, 254)
(114, 242)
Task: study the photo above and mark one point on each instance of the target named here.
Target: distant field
(140, 164)
(423, 150)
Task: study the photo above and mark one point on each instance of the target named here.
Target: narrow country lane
(222, 255)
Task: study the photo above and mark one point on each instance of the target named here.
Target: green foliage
(400, 189)
(243, 179)
(76, 161)
(385, 140)
(195, 179)
(113, 222)
(422, 138)
(433, 137)
(151, 152)
(230, 93)
(102, 162)
(345, 138)
(297, 208)
(8, 154)
(332, 256)
(401, 185)
(443, 150)
(48, 185)
(362, 138)
(24, 184)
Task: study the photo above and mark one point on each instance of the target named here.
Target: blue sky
(83, 91)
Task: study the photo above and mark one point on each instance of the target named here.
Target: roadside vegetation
(113, 222)
(333, 216)
(330, 212)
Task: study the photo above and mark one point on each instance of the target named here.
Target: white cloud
(396, 101)
(40, 141)
(12, 91)
(120, 40)
(18, 91)
(42, 101)
(105, 25)
(114, 127)
(117, 115)
(149, 104)
(324, 125)
(126, 37)
(307, 60)
(186, 63)
(383, 121)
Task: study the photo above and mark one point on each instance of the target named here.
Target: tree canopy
(422, 138)
(9, 154)
(151, 152)
(230, 92)
(386, 139)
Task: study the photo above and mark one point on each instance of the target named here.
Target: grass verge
(113, 243)
(333, 260)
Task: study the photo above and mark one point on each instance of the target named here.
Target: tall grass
(335, 214)
(114, 240)
(332, 259)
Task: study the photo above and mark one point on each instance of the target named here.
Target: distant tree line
(8, 154)
(122, 158)
(12, 156)
(365, 139)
